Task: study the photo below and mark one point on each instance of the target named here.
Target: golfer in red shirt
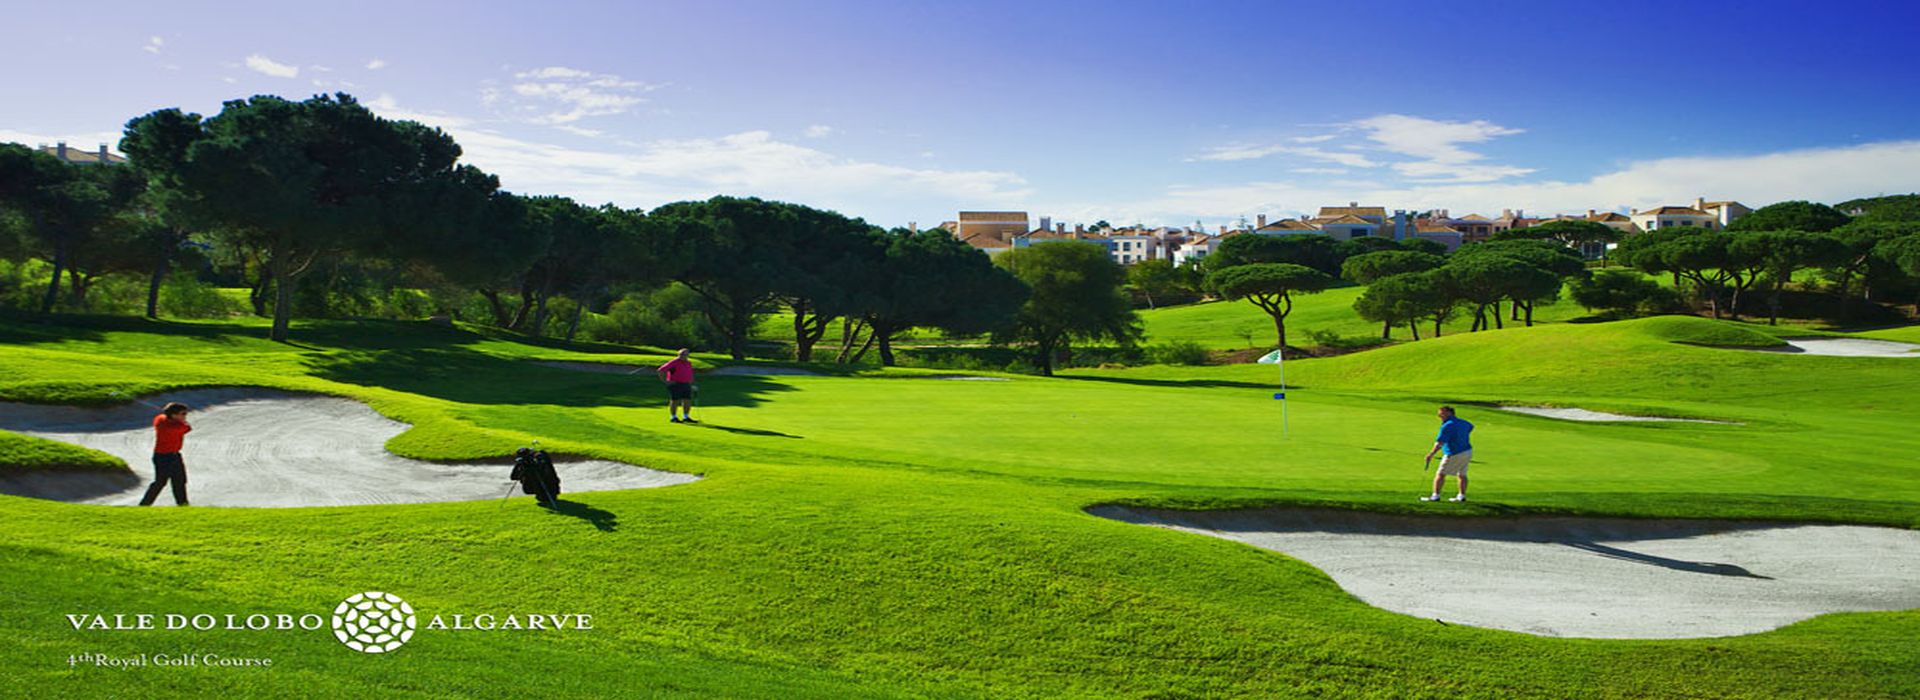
(170, 429)
(677, 373)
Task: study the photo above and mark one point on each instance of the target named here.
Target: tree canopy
(1075, 295)
(1791, 216)
(303, 181)
(1271, 287)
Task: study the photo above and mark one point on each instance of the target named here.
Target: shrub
(667, 317)
(1182, 352)
(186, 296)
(1622, 293)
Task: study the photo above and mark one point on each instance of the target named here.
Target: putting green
(887, 534)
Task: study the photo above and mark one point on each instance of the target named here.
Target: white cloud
(154, 45)
(376, 64)
(747, 163)
(819, 131)
(1321, 171)
(1232, 153)
(1437, 144)
(561, 95)
(1817, 174)
(578, 131)
(267, 66)
(1314, 139)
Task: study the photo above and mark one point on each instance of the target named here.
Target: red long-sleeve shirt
(168, 433)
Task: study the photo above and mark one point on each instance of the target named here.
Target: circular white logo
(373, 622)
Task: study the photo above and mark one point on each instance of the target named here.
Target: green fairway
(888, 534)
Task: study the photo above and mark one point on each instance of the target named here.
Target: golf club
(511, 483)
(118, 395)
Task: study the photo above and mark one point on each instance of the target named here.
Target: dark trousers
(168, 468)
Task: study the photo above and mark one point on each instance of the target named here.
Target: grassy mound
(22, 453)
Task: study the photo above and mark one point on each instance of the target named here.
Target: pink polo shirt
(679, 371)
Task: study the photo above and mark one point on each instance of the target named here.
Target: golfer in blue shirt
(1456, 453)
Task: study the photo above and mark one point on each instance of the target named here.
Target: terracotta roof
(1673, 211)
(1472, 217)
(1434, 228)
(993, 216)
(1287, 225)
(1719, 205)
(985, 240)
(1609, 216)
(1348, 219)
(1336, 212)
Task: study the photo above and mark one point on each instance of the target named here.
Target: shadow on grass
(468, 376)
(1185, 383)
(602, 520)
(746, 431)
(23, 328)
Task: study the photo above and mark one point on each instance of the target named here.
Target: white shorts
(1456, 464)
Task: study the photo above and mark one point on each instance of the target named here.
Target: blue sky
(1157, 113)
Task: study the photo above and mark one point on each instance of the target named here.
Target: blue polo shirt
(1453, 436)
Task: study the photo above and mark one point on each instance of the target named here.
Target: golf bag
(534, 470)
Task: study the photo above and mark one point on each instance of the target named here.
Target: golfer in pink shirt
(677, 373)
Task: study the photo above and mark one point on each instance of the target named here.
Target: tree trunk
(1529, 314)
(540, 318)
(886, 349)
(153, 288)
(1514, 306)
(283, 298)
(499, 308)
(1414, 326)
(807, 331)
(1773, 318)
(1280, 328)
(850, 330)
(53, 285)
(737, 330)
(579, 309)
(1436, 326)
(77, 285)
(1046, 358)
(1386, 330)
(526, 304)
(857, 356)
(257, 296)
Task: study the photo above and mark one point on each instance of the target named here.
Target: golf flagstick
(1279, 357)
(1284, 429)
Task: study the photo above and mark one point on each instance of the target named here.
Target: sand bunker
(267, 449)
(1846, 347)
(1582, 577)
(1586, 416)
